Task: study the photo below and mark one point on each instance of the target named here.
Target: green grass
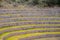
(28, 35)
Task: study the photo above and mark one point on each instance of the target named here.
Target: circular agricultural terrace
(33, 24)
